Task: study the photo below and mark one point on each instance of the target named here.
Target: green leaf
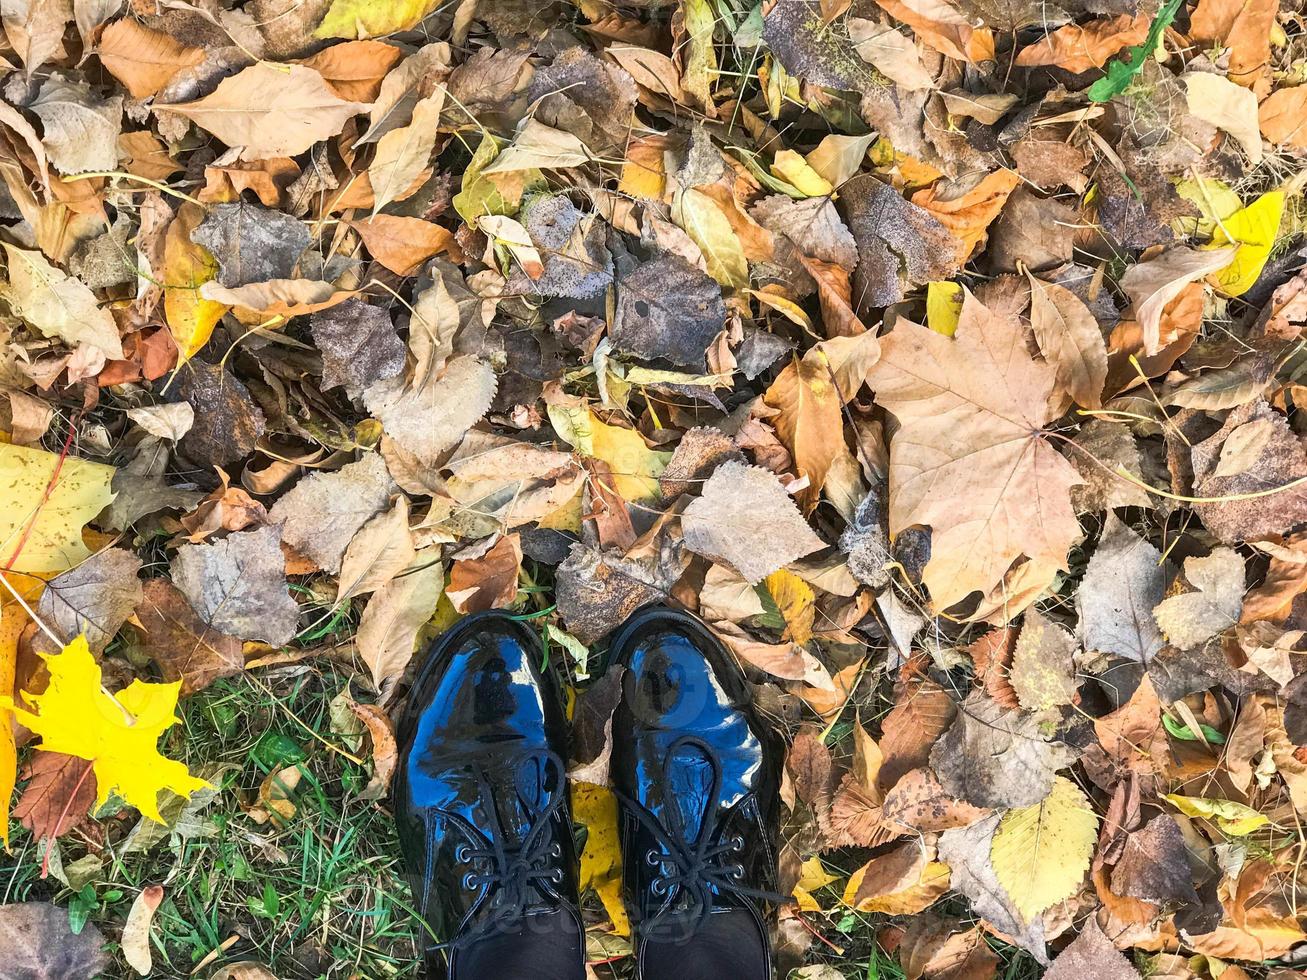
(1183, 731)
(1120, 73)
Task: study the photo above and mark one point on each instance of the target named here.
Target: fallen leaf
(744, 519)
(1154, 867)
(1123, 584)
(595, 808)
(57, 304)
(382, 548)
(402, 244)
(489, 581)
(117, 733)
(59, 795)
(227, 423)
(1153, 283)
(1070, 339)
(385, 751)
(367, 18)
(1282, 117)
(1226, 106)
(944, 393)
(941, 25)
(142, 59)
(1041, 852)
(79, 131)
(238, 585)
(430, 415)
(388, 631)
(1235, 819)
(251, 243)
(359, 345)
(46, 502)
(324, 510)
(1079, 47)
(1043, 673)
(667, 308)
(892, 54)
(355, 69)
(996, 758)
(269, 110)
(968, 213)
(93, 599)
(40, 944)
(188, 266)
(136, 931)
(1253, 232)
(184, 647)
(1091, 954)
(1213, 605)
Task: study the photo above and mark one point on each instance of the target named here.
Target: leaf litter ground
(944, 356)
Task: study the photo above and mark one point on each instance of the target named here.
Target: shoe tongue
(689, 786)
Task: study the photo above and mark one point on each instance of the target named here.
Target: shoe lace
(510, 876)
(696, 867)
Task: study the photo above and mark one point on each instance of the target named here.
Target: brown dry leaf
(402, 244)
(488, 581)
(1043, 672)
(809, 420)
(1070, 339)
(1243, 26)
(1153, 283)
(746, 520)
(324, 510)
(385, 751)
(282, 298)
(382, 548)
(1079, 47)
(919, 804)
(941, 25)
(269, 110)
(788, 661)
(59, 795)
(136, 931)
(991, 757)
(968, 211)
(995, 490)
(1282, 117)
(180, 643)
(355, 69)
(388, 631)
(142, 59)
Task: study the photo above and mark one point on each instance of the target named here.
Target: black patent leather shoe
(697, 775)
(480, 799)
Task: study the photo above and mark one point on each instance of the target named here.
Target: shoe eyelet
(557, 876)
(737, 843)
(737, 872)
(556, 849)
(462, 854)
(468, 881)
(658, 887)
(652, 859)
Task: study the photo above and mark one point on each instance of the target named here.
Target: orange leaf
(402, 244)
(968, 215)
(1078, 48)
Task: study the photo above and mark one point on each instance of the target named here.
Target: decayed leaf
(323, 511)
(1070, 339)
(184, 647)
(118, 734)
(1041, 852)
(39, 942)
(227, 422)
(57, 304)
(1091, 954)
(667, 308)
(1125, 581)
(251, 243)
(94, 599)
(745, 519)
(997, 758)
(269, 110)
(1194, 617)
(1258, 452)
(992, 489)
(1154, 867)
(44, 504)
(238, 585)
(1043, 674)
(359, 345)
(389, 628)
(385, 751)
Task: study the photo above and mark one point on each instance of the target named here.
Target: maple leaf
(118, 734)
(971, 459)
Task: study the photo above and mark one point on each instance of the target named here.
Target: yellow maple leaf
(601, 862)
(118, 734)
(40, 533)
(1040, 853)
(813, 876)
(1253, 229)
